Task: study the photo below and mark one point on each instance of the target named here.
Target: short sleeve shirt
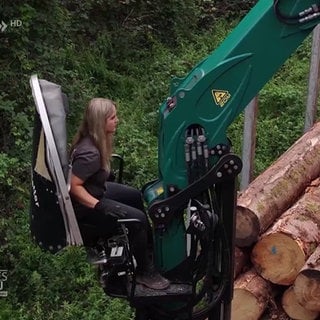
(86, 165)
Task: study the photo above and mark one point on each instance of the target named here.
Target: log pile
(255, 291)
(307, 283)
(278, 226)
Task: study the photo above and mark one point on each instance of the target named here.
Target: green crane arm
(216, 90)
(197, 171)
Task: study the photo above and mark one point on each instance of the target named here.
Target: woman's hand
(108, 208)
(79, 192)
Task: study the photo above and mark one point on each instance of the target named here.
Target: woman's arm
(80, 193)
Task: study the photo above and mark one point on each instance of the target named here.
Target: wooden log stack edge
(273, 191)
(307, 284)
(278, 226)
(251, 296)
(284, 248)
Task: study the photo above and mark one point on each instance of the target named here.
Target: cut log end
(245, 306)
(294, 309)
(247, 227)
(307, 290)
(278, 258)
(250, 297)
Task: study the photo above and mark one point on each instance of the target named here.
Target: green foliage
(45, 286)
(212, 10)
(282, 108)
(8, 166)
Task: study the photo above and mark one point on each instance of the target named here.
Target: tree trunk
(273, 191)
(278, 258)
(241, 259)
(307, 284)
(282, 251)
(294, 309)
(275, 311)
(250, 297)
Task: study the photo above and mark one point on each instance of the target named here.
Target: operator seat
(53, 222)
(52, 218)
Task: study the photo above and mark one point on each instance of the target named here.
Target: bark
(283, 250)
(273, 191)
(307, 284)
(241, 258)
(250, 297)
(294, 309)
(275, 312)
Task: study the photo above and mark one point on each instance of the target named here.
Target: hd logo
(13, 23)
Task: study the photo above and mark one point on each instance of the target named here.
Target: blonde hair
(93, 125)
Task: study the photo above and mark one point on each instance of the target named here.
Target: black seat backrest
(52, 219)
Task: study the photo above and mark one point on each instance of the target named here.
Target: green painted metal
(214, 93)
(170, 246)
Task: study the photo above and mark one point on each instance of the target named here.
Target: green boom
(214, 93)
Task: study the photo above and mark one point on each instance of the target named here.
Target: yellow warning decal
(220, 97)
(159, 191)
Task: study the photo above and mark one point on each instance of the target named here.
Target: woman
(100, 202)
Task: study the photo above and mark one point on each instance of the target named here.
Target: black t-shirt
(86, 165)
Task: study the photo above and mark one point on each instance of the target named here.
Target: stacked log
(241, 258)
(272, 192)
(307, 284)
(285, 255)
(278, 220)
(283, 250)
(250, 296)
(294, 309)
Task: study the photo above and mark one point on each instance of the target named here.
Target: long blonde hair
(93, 125)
